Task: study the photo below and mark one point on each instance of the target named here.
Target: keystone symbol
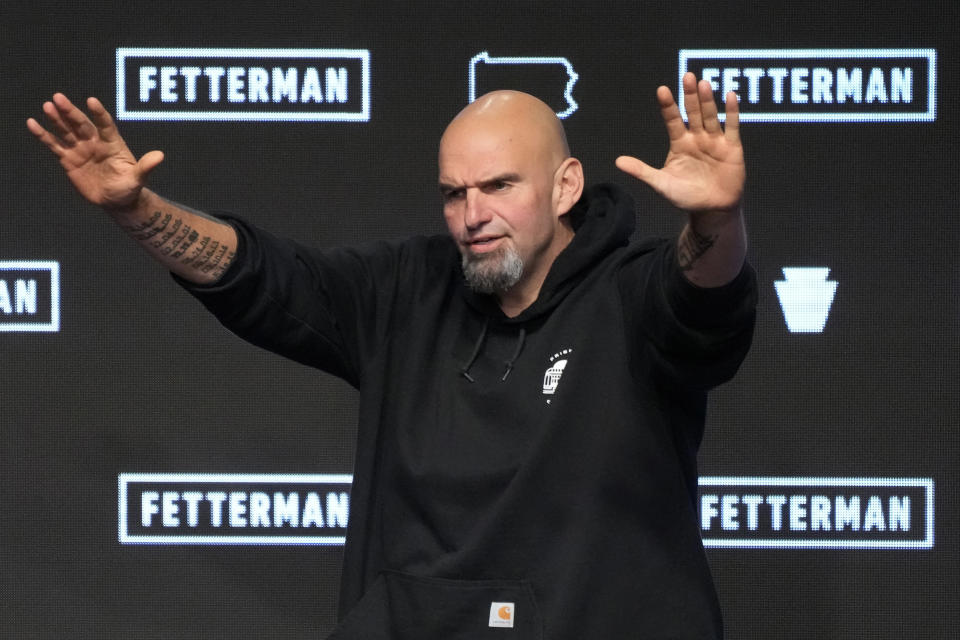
(805, 297)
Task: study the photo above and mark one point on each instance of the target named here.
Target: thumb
(636, 168)
(642, 171)
(149, 162)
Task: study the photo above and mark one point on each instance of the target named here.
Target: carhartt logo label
(502, 614)
(551, 377)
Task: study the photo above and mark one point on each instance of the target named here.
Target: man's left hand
(704, 170)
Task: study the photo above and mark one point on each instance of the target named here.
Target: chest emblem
(551, 377)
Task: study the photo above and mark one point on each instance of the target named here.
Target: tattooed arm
(190, 243)
(101, 167)
(712, 247)
(704, 175)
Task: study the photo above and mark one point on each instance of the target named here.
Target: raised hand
(91, 151)
(704, 169)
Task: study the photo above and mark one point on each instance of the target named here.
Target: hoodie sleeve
(323, 308)
(697, 336)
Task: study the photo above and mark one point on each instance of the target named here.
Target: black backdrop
(139, 380)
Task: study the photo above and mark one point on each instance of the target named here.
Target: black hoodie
(526, 477)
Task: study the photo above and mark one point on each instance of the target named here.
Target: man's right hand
(91, 151)
(98, 162)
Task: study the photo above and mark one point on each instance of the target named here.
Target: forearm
(712, 247)
(191, 244)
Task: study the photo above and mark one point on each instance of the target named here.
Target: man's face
(497, 188)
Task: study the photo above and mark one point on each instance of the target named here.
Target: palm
(704, 169)
(703, 175)
(102, 173)
(94, 156)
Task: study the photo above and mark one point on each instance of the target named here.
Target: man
(532, 385)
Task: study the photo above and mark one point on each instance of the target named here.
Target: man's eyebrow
(505, 177)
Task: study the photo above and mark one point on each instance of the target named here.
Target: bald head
(507, 181)
(517, 118)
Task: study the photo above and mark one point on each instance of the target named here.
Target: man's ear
(568, 185)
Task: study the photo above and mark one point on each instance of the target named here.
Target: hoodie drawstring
(516, 353)
(521, 340)
(465, 369)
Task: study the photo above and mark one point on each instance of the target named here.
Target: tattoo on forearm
(174, 238)
(214, 258)
(152, 231)
(691, 247)
(165, 237)
(222, 267)
(204, 241)
(208, 248)
(177, 241)
(187, 242)
(136, 231)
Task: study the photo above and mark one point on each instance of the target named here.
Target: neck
(513, 302)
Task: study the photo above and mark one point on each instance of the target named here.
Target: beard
(494, 272)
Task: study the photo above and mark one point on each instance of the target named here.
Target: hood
(603, 220)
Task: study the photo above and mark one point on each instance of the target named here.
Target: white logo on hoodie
(551, 377)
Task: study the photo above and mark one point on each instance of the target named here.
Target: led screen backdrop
(161, 479)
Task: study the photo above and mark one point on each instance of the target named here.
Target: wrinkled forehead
(477, 143)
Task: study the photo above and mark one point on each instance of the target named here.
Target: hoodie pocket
(400, 606)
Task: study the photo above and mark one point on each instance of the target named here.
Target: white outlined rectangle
(125, 479)
(928, 55)
(124, 112)
(37, 265)
(924, 484)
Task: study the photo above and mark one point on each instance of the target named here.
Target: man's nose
(475, 213)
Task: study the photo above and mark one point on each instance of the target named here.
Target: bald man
(532, 384)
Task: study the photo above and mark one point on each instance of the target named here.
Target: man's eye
(500, 185)
(455, 194)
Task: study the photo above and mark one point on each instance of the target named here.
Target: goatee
(495, 272)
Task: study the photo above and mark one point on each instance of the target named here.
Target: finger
(45, 137)
(733, 118)
(708, 107)
(75, 120)
(59, 127)
(102, 120)
(671, 114)
(692, 101)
